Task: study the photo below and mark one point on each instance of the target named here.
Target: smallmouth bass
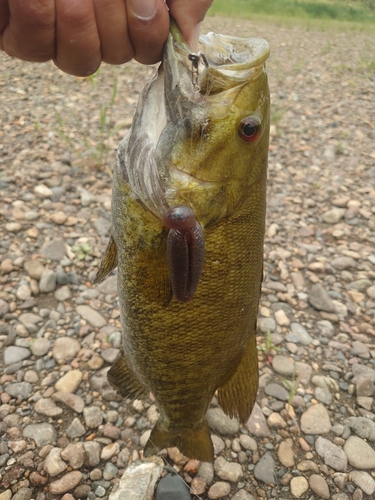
(188, 216)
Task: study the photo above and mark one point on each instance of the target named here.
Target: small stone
(276, 391)
(43, 434)
(76, 429)
(37, 479)
(91, 316)
(364, 481)
(109, 451)
(265, 469)
(74, 454)
(21, 390)
(109, 286)
(319, 298)
(110, 355)
(47, 282)
(219, 489)
(59, 217)
(333, 455)
(281, 318)
(229, 471)
(110, 471)
(54, 250)
(140, 478)
(315, 420)
(14, 354)
(171, 487)
(92, 453)
(47, 407)
(248, 443)
(53, 464)
(298, 486)
(319, 486)
(206, 471)
(286, 454)
(333, 216)
(198, 486)
(69, 382)
(371, 292)
(359, 453)
(177, 457)
(67, 483)
(42, 191)
(65, 349)
(73, 401)
(93, 416)
(4, 308)
(23, 292)
(40, 346)
(257, 424)
(13, 227)
(303, 337)
(242, 495)
(276, 421)
(63, 293)
(23, 494)
(342, 263)
(283, 365)
(218, 421)
(323, 395)
(363, 427)
(102, 226)
(87, 198)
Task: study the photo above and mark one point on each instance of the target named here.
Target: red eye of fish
(250, 128)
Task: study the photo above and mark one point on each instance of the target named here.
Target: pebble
(315, 420)
(93, 416)
(73, 401)
(298, 486)
(333, 455)
(40, 346)
(257, 423)
(91, 316)
(242, 495)
(66, 483)
(42, 191)
(47, 407)
(228, 471)
(54, 250)
(283, 365)
(14, 354)
(319, 486)
(360, 454)
(109, 286)
(219, 489)
(319, 298)
(53, 464)
(265, 469)
(218, 421)
(301, 334)
(74, 453)
(139, 479)
(363, 427)
(43, 434)
(286, 453)
(75, 429)
(65, 349)
(70, 381)
(171, 487)
(364, 481)
(47, 282)
(21, 390)
(63, 293)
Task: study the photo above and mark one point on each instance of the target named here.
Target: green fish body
(197, 141)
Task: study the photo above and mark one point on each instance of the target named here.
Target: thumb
(188, 14)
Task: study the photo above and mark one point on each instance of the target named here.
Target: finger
(111, 20)
(148, 24)
(78, 44)
(30, 34)
(4, 20)
(188, 16)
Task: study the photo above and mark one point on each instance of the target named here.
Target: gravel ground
(64, 432)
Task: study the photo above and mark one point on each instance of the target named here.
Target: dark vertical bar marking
(185, 251)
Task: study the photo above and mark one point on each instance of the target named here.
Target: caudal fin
(193, 443)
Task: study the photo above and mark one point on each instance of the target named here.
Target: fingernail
(143, 9)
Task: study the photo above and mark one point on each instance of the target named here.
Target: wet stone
(265, 469)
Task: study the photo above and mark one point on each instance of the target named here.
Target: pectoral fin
(108, 263)
(124, 381)
(237, 396)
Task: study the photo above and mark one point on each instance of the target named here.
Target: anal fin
(193, 443)
(237, 396)
(124, 381)
(108, 263)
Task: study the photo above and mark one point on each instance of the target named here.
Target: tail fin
(193, 443)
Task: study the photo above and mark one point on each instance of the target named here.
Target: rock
(218, 421)
(138, 481)
(53, 464)
(371, 292)
(102, 226)
(303, 337)
(63, 293)
(333, 455)
(198, 486)
(257, 424)
(21, 390)
(67, 483)
(42, 191)
(23, 494)
(92, 453)
(40, 346)
(363, 427)
(298, 486)
(333, 216)
(319, 298)
(42, 434)
(265, 469)
(93, 416)
(91, 316)
(54, 250)
(29, 318)
(281, 318)
(14, 354)
(110, 471)
(87, 198)
(286, 454)
(315, 420)
(73, 401)
(364, 481)
(23, 292)
(47, 282)
(110, 355)
(47, 407)
(326, 382)
(248, 443)
(74, 453)
(276, 391)
(228, 471)
(319, 486)
(218, 443)
(276, 421)
(109, 451)
(76, 429)
(170, 487)
(342, 263)
(65, 349)
(242, 495)
(323, 395)
(219, 489)
(206, 472)
(109, 286)
(70, 381)
(304, 372)
(283, 365)
(359, 453)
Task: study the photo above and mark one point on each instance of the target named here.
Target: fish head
(200, 135)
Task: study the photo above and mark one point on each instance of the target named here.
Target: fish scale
(183, 352)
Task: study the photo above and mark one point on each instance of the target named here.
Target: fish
(188, 221)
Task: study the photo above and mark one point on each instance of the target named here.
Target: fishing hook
(195, 58)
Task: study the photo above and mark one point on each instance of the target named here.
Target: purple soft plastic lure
(185, 251)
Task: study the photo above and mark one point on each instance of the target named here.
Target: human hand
(79, 34)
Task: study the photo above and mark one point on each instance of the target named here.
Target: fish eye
(250, 128)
